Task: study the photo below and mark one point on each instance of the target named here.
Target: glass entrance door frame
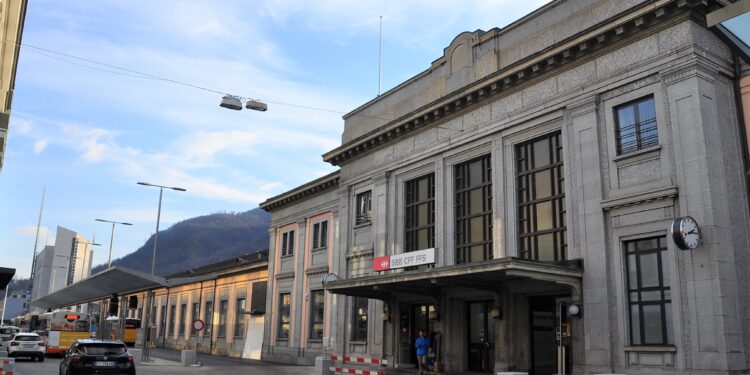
(480, 338)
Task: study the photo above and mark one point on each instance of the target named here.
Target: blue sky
(88, 135)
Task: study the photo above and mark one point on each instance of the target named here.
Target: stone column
(707, 161)
(586, 238)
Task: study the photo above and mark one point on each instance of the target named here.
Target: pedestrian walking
(423, 345)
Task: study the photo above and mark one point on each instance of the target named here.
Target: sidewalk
(224, 365)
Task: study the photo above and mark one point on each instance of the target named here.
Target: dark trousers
(422, 361)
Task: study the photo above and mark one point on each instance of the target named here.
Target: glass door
(481, 329)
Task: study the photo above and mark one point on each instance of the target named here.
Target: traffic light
(114, 305)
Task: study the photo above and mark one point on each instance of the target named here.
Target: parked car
(91, 356)
(7, 332)
(28, 345)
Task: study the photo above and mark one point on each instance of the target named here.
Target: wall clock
(685, 233)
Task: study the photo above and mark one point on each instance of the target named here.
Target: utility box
(188, 357)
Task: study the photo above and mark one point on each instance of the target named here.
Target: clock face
(685, 233)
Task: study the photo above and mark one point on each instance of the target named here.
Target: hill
(200, 240)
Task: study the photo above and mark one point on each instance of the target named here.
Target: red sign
(381, 263)
(198, 325)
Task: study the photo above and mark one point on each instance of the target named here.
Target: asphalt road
(168, 363)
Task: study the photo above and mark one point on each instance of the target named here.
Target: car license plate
(104, 364)
(28, 346)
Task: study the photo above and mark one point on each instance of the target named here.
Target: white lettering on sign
(413, 258)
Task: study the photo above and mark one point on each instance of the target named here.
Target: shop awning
(490, 276)
(6, 274)
(102, 285)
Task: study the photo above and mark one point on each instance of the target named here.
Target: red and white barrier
(6, 366)
(343, 370)
(363, 360)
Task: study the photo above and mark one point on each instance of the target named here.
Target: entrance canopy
(102, 285)
(490, 276)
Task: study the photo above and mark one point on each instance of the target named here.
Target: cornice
(284, 275)
(641, 198)
(695, 69)
(302, 192)
(575, 48)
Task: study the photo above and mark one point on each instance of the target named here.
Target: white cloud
(30, 231)
(40, 145)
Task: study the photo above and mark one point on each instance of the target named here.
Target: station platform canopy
(102, 285)
(6, 274)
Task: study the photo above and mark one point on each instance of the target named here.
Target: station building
(516, 200)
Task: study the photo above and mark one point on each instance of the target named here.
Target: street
(167, 362)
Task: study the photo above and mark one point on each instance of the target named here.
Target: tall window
(172, 317)
(183, 318)
(163, 324)
(419, 213)
(320, 235)
(287, 243)
(359, 319)
(364, 208)
(541, 199)
(239, 318)
(317, 313)
(649, 293)
(223, 307)
(636, 125)
(285, 303)
(473, 209)
(196, 314)
(209, 314)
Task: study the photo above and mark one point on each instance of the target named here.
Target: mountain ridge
(199, 241)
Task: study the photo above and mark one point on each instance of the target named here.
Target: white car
(7, 332)
(26, 345)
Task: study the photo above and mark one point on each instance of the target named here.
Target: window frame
(462, 189)
(221, 330)
(637, 125)
(172, 313)
(183, 319)
(363, 217)
(411, 209)
(662, 257)
(195, 313)
(239, 316)
(287, 243)
(314, 308)
(208, 315)
(527, 230)
(285, 308)
(320, 235)
(360, 308)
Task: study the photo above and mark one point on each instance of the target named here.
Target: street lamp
(235, 102)
(111, 238)
(150, 295)
(158, 217)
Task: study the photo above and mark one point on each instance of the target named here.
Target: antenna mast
(380, 56)
(36, 240)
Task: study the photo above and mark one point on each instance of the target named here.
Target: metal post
(156, 235)
(5, 304)
(111, 239)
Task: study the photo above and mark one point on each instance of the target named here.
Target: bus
(61, 328)
(130, 330)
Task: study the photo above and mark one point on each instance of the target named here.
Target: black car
(91, 356)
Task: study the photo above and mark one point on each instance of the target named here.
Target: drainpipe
(741, 124)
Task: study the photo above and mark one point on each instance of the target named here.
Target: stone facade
(570, 68)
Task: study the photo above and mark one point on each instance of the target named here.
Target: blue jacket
(422, 345)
